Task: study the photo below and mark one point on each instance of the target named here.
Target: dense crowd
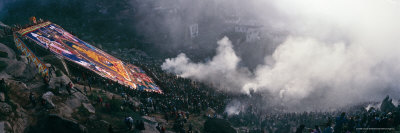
(180, 98)
(354, 120)
(183, 97)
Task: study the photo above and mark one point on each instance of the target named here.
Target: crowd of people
(180, 98)
(183, 97)
(354, 120)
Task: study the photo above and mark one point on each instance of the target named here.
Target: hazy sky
(336, 53)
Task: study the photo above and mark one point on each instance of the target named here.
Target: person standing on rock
(46, 80)
(90, 86)
(158, 127)
(69, 87)
(163, 129)
(141, 125)
(129, 122)
(190, 128)
(110, 129)
(100, 101)
(32, 99)
(85, 90)
(2, 85)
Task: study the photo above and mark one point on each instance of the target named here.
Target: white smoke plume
(224, 64)
(234, 108)
(336, 53)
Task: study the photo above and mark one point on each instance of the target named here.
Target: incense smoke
(336, 53)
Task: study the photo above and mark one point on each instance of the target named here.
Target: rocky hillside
(27, 104)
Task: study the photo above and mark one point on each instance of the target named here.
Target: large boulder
(48, 98)
(149, 128)
(73, 102)
(15, 68)
(55, 81)
(5, 109)
(5, 127)
(10, 52)
(76, 100)
(65, 110)
(89, 107)
(21, 123)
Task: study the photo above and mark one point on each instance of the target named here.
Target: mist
(325, 54)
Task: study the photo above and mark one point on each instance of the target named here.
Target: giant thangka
(61, 43)
(42, 69)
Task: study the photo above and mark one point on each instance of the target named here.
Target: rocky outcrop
(10, 52)
(55, 81)
(16, 68)
(5, 109)
(17, 119)
(149, 128)
(89, 107)
(20, 115)
(64, 110)
(150, 124)
(5, 127)
(48, 98)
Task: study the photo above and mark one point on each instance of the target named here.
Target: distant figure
(137, 124)
(182, 130)
(163, 129)
(158, 127)
(90, 86)
(32, 99)
(69, 87)
(300, 128)
(3, 85)
(351, 124)
(129, 122)
(46, 80)
(340, 121)
(100, 100)
(141, 125)
(85, 90)
(317, 129)
(110, 129)
(328, 128)
(190, 128)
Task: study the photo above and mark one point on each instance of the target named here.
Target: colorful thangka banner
(31, 56)
(54, 38)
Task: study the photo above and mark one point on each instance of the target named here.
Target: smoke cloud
(225, 64)
(334, 54)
